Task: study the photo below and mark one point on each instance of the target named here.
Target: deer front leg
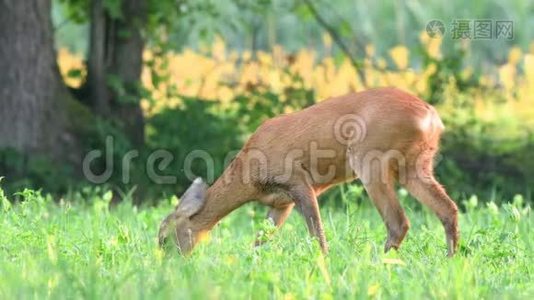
(306, 201)
(278, 216)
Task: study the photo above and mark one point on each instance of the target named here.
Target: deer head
(178, 224)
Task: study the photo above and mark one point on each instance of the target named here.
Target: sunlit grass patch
(81, 246)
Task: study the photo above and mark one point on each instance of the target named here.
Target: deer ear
(193, 199)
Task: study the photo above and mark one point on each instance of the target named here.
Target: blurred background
(203, 74)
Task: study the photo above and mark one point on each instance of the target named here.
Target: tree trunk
(116, 55)
(127, 64)
(96, 62)
(33, 98)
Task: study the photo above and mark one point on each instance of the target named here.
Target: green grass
(80, 247)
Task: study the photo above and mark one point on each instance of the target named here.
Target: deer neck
(221, 198)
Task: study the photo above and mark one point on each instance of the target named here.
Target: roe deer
(381, 136)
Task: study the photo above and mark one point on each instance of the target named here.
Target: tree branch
(338, 40)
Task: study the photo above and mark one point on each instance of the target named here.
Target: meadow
(85, 246)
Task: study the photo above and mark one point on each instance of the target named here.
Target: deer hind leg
(382, 193)
(378, 172)
(425, 188)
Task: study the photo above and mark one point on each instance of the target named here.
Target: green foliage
(79, 11)
(125, 92)
(84, 246)
(22, 171)
(191, 23)
(258, 107)
(472, 167)
(476, 161)
(195, 125)
(448, 68)
(76, 11)
(39, 171)
(114, 8)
